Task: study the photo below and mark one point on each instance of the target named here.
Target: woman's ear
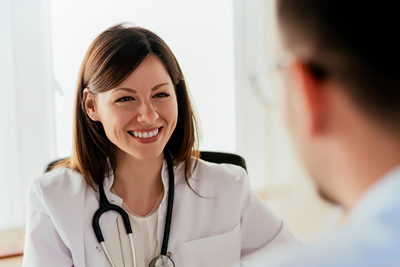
(90, 104)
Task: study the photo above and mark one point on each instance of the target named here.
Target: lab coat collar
(114, 199)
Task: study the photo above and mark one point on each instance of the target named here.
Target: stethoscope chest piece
(162, 261)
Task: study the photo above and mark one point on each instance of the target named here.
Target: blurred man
(342, 105)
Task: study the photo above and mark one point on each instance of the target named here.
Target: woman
(134, 132)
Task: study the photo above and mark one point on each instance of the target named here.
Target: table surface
(11, 262)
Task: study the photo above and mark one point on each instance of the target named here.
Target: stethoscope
(164, 259)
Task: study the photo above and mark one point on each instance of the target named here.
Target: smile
(145, 135)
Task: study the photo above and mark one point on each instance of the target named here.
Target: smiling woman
(135, 152)
(136, 60)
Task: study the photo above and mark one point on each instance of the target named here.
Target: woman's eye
(160, 95)
(124, 99)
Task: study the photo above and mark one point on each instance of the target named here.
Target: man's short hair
(354, 42)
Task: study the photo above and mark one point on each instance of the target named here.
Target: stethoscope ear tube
(171, 181)
(96, 226)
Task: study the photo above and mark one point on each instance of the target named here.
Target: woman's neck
(138, 182)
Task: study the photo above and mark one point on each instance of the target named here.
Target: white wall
(254, 131)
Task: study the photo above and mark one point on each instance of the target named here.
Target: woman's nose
(147, 113)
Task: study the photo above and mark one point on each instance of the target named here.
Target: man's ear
(312, 97)
(90, 104)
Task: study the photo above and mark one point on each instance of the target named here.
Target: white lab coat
(229, 226)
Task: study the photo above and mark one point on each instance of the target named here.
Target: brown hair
(110, 59)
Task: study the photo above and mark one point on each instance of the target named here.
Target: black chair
(215, 157)
(51, 164)
(222, 157)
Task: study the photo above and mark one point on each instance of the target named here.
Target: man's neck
(368, 158)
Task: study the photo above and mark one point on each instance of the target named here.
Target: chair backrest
(221, 157)
(51, 164)
(215, 157)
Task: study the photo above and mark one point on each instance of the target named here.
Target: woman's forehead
(149, 73)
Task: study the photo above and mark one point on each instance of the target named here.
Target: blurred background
(222, 47)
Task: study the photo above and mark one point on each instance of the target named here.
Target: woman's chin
(147, 155)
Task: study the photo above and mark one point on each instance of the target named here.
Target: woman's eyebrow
(124, 89)
(158, 86)
(134, 91)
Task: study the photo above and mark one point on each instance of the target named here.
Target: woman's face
(139, 115)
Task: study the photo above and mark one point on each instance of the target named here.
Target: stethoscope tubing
(132, 247)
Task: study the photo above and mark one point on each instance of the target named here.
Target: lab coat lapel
(108, 220)
(94, 252)
(74, 216)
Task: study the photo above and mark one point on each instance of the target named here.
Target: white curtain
(27, 139)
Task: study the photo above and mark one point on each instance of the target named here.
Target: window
(27, 140)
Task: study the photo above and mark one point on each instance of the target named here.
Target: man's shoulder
(372, 244)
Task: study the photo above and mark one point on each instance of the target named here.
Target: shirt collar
(382, 195)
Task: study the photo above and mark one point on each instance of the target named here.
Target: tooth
(145, 135)
(136, 134)
(151, 134)
(156, 132)
(140, 135)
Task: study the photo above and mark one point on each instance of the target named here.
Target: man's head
(343, 84)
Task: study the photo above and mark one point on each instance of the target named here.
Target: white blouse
(144, 232)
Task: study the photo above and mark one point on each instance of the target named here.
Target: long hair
(110, 59)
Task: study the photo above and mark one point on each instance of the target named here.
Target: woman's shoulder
(223, 183)
(230, 170)
(219, 173)
(62, 181)
(59, 193)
